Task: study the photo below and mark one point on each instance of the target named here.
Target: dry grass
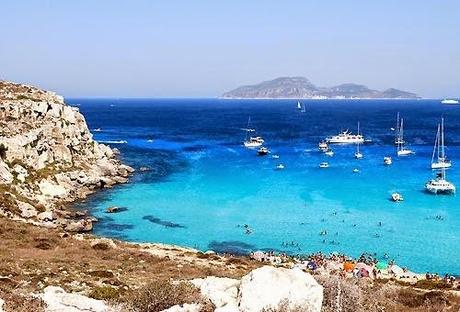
(32, 258)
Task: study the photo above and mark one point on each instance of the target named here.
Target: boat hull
(441, 165)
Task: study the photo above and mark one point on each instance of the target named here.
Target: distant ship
(346, 137)
(449, 101)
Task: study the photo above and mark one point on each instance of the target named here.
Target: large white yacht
(439, 159)
(345, 137)
(440, 185)
(252, 141)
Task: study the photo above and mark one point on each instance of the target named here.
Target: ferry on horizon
(449, 101)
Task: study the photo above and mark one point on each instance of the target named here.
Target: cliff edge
(48, 157)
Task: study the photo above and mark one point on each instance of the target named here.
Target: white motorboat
(396, 197)
(324, 165)
(449, 101)
(402, 150)
(275, 156)
(345, 137)
(322, 146)
(440, 185)
(280, 167)
(439, 159)
(263, 151)
(387, 160)
(356, 170)
(252, 141)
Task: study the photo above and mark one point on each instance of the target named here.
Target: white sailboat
(439, 159)
(402, 150)
(358, 154)
(299, 106)
(398, 139)
(252, 141)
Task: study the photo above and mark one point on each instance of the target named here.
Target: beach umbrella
(363, 272)
(381, 265)
(312, 265)
(348, 266)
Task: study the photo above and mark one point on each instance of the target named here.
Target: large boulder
(269, 287)
(57, 300)
(221, 291)
(5, 174)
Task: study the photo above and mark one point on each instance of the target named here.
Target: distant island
(302, 88)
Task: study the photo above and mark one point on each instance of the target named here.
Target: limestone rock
(85, 225)
(46, 216)
(2, 302)
(222, 292)
(27, 210)
(57, 300)
(5, 174)
(268, 287)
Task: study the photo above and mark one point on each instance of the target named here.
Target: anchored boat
(252, 141)
(402, 149)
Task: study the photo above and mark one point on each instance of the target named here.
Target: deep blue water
(203, 185)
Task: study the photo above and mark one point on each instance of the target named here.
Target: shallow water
(203, 186)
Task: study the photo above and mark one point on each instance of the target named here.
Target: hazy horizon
(201, 49)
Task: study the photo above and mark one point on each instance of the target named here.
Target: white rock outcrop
(47, 153)
(57, 300)
(2, 302)
(270, 287)
(263, 289)
(221, 291)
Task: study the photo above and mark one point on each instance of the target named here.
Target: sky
(202, 48)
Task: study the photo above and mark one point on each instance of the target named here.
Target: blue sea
(203, 186)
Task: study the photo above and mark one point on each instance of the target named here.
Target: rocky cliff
(302, 88)
(48, 157)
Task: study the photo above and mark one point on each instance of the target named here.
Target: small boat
(299, 106)
(439, 153)
(440, 185)
(263, 151)
(280, 167)
(396, 197)
(329, 152)
(275, 156)
(356, 170)
(324, 165)
(252, 141)
(387, 160)
(322, 146)
(402, 150)
(449, 101)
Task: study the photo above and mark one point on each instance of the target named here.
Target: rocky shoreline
(48, 159)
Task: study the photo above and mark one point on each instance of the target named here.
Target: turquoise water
(204, 186)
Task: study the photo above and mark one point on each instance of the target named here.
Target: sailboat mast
(436, 145)
(442, 139)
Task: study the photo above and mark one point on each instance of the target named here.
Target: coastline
(48, 244)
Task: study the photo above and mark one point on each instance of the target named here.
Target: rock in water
(270, 287)
(57, 300)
